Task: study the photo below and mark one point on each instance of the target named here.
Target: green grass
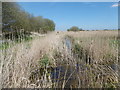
(4, 46)
(7, 45)
(114, 43)
(44, 61)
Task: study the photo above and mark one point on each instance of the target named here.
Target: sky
(85, 15)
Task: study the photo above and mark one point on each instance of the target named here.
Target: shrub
(75, 28)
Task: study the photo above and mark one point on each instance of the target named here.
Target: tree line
(14, 18)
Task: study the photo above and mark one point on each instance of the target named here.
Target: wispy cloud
(115, 5)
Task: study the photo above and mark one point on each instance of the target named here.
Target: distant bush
(75, 28)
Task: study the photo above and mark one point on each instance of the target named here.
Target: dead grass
(19, 61)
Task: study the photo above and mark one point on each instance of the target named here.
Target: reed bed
(89, 59)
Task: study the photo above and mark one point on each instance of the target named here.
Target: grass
(89, 63)
(6, 45)
(44, 61)
(114, 43)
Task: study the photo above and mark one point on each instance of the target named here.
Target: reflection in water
(64, 73)
(68, 44)
(67, 73)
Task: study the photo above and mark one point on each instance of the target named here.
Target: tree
(49, 25)
(9, 15)
(14, 19)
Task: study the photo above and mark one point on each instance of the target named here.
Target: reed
(89, 59)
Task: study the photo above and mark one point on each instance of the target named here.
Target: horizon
(85, 15)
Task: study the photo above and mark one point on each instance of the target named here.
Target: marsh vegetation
(85, 59)
(34, 55)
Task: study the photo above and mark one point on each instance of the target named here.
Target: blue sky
(86, 15)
